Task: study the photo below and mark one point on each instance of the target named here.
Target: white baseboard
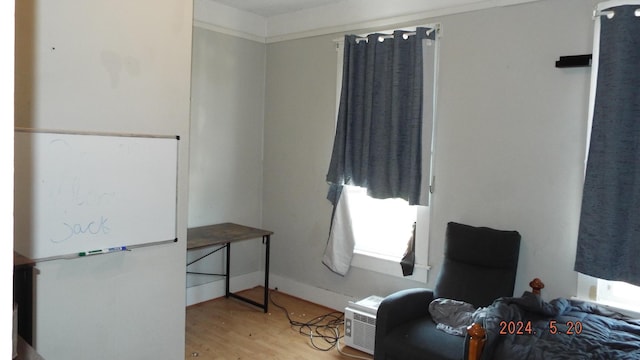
(310, 293)
(216, 289)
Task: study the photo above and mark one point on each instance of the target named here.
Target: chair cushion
(419, 339)
(479, 266)
(482, 246)
(477, 286)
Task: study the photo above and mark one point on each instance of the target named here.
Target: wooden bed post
(477, 337)
(536, 285)
(477, 334)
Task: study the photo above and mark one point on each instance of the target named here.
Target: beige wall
(509, 142)
(227, 120)
(120, 67)
(225, 177)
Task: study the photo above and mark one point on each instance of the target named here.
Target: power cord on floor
(326, 328)
(350, 355)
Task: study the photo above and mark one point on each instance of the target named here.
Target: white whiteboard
(82, 192)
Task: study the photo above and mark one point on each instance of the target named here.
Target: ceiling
(268, 8)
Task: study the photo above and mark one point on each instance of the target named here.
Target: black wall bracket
(574, 61)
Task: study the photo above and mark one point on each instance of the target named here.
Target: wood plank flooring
(230, 329)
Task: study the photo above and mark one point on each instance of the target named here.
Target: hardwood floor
(230, 329)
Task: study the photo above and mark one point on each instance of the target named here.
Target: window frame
(386, 265)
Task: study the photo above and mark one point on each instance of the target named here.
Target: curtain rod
(610, 13)
(430, 28)
(602, 9)
(390, 36)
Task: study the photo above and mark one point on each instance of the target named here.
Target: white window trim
(388, 267)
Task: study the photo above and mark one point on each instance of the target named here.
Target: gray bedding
(529, 328)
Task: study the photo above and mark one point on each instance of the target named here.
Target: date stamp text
(527, 328)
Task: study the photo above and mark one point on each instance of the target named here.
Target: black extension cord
(327, 328)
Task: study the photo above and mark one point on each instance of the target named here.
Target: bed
(528, 327)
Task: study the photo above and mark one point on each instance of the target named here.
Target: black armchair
(479, 266)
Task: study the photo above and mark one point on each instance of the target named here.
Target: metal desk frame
(223, 235)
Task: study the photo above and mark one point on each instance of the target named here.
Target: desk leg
(266, 238)
(228, 277)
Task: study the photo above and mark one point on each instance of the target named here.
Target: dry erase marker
(103, 251)
(117, 248)
(92, 252)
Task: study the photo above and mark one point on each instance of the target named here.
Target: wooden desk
(23, 294)
(223, 235)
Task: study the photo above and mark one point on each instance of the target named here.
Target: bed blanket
(529, 328)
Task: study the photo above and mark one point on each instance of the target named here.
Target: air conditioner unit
(360, 323)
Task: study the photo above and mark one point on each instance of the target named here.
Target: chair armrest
(401, 307)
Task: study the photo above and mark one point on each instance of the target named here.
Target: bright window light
(619, 293)
(382, 227)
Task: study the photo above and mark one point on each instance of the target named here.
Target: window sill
(388, 267)
(625, 309)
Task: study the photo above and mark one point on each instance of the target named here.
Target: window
(375, 221)
(619, 294)
(608, 144)
(378, 220)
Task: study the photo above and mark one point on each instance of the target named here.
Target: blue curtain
(609, 233)
(378, 140)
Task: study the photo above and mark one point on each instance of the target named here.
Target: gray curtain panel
(609, 233)
(378, 141)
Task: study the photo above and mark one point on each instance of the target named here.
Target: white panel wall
(510, 140)
(123, 67)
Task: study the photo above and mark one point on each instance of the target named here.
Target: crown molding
(227, 31)
(329, 19)
(227, 20)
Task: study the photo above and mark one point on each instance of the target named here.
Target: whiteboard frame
(112, 134)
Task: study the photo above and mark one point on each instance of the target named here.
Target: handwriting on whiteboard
(91, 228)
(81, 197)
